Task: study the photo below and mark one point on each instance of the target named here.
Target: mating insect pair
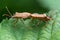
(25, 15)
(28, 15)
(41, 17)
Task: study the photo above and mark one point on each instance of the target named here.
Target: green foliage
(27, 30)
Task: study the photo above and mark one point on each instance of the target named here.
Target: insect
(40, 17)
(21, 15)
(43, 17)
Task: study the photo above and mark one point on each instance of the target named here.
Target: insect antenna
(8, 11)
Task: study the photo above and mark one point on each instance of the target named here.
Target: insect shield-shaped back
(21, 15)
(43, 17)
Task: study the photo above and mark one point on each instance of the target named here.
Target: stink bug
(40, 16)
(21, 15)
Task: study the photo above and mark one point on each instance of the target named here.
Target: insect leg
(15, 22)
(31, 20)
(22, 20)
(37, 23)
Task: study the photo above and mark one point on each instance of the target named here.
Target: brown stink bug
(21, 15)
(18, 15)
(40, 16)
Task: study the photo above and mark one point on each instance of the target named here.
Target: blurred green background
(31, 6)
(51, 4)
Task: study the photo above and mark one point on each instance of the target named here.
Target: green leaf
(14, 29)
(49, 31)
